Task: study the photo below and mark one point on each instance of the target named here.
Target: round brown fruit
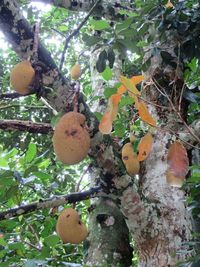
(71, 140)
(75, 71)
(21, 76)
(70, 228)
(129, 158)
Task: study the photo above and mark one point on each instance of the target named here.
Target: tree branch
(31, 127)
(50, 203)
(56, 88)
(104, 9)
(10, 95)
(75, 32)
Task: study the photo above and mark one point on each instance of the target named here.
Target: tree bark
(28, 126)
(161, 224)
(109, 243)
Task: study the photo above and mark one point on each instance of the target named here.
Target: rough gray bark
(160, 223)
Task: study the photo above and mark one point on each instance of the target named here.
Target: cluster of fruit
(71, 143)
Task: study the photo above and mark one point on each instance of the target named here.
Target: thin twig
(77, 189)
(177, 135)
(84, 187)
(35, 234)
(181, 97)
(75, 32)
(175, 110)
(80, 180)
(147, 101)
(49, 106)
(62, 34)
(32, 245)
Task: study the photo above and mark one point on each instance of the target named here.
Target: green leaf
(124, 25)
(16, 245)
(87, 90)
(107, 74)
(6, 178)
(99, 25)
(3, 253)
(63, 28)
(119, 129)
(98, 115)
(11, 153)
(194, 178)
(12, 192)
(6, 174)
(31, 152)
(30, 169)
(91, 40)
(3, 163)
(56, 118)
(129, 44)
(108, 91)
(52, 240)
(135, 145)
(101, 62)
(44, 164)
(2, 242)
(45, 252)
(193, 64)
(111, 57)
(43, 176)
(126, 100)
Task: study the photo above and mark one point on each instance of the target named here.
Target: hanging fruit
(21, 77)
(129, 158)
(178, 164)
(145, 146)
(71, 140)
(75, 71)
(70, 228)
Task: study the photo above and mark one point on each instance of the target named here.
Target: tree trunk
(108, 241)
(161, 224)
